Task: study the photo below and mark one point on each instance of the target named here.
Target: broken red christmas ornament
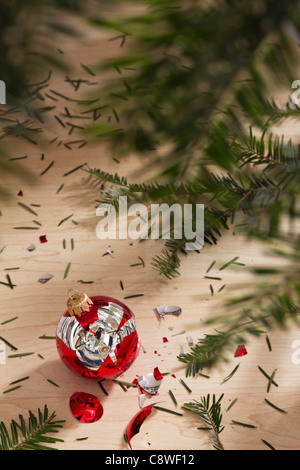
(134, 425)
(43, 239)
(96, 337)
(85, 407)
(240, 351)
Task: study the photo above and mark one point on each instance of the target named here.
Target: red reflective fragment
(85, 407)
(157, 375)
(136, 422)
(165, 340)
(20, 193)
(43, 239)
(240, 351)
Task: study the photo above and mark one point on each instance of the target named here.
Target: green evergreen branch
(33, 435)
(167, 263)
(177, 99)
(210, 413)
(272, 152)
(276, 113)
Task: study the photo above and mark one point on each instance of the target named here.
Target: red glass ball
(101, 343)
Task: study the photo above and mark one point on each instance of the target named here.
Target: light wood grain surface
(38, 308)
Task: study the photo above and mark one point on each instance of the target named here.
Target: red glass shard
(85, 407)
(134, 426)
(43, 239)
(157, 375)
(240, 351)
(20, 193)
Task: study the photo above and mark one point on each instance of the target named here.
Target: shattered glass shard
(85, 407)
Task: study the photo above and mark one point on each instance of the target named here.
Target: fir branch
(32, 435)
(167, 263)
(210, 413)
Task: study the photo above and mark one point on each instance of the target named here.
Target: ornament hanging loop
(78, 302)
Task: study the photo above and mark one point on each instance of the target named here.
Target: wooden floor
(38, 308)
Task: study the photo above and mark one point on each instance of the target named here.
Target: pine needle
(102, 388)
(268, 444)
(274, 406)
(231, 404)
(173, 397)
(12, 389)
(27, 208)
(245, 425)
(231, 373)
(185, 386)
(267, 376)
(268, 343)
(167, 410)
(211, 266)
(229, 263)
(64, 220)
(48, 168)
(8, 343)
(271, 380)
(67, 271)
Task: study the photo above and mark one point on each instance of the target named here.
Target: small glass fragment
(142, 398)
(163, 310)
(45, 278)
(150, 383)
(240, 351)
(85, 407)
(190, 340)
(31, 247)
(43, 239)
(179, 333)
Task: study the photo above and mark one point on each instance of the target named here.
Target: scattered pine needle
(67, 270)
(27, 208)
(48, 168)
(132, 296)
(274, 406)
(245, 425)
(53, 383)
(229, 263)
(211, 266)
(167, 410)
(231, 404)
(173, 397)
(231, 373)
(185, 386)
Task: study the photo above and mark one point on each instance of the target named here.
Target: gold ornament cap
(78, 303)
